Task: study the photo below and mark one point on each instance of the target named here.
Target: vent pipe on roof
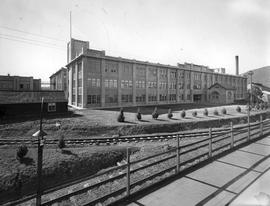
(236, 65)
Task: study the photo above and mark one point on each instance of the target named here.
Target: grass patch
(19, 178)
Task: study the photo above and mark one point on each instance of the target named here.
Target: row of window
(197, 86)
(140, 98)
(126, 97)
(126, 84)
(110, 83)
(93, 82)
(140, 84)
(152, 84)
(95, 99)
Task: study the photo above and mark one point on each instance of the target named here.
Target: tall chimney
(236, 65)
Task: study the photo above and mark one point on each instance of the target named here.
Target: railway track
(114, 139)
(128, 139)
(121, 139)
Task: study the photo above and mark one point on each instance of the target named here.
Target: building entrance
(197, 98)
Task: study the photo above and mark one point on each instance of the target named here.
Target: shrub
(121, 117)
(183, 114)
(155, 113)
(194, 113)
(266, 105)
(170, 115)
(224, 111)
(257, 106)
(248, 107)
(138, 115)
(215, 112)
(61, 142)
(22, 151)
(205, 112)
(238, 109)
(262, 106)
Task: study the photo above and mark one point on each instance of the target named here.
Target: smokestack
(236, 65)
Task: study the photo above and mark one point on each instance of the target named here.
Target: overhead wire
(29, 41)
(30, 33)
(32, 40)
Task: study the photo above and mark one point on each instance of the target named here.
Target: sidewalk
(239, 178)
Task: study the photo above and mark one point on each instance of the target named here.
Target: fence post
(248, 137)
(128, 172)
(261, 125)
(178, 155)
(210, 142)
(232, 137)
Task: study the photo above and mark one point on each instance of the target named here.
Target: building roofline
(226, 88)
(59, 70)
(150, 64)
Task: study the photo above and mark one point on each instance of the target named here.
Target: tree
(61, 143)
(170, 115)
(223, 111)
(21, 152)
(121, 117)
(138, 115)
(205, 112)
(183, 113)
(155, 113)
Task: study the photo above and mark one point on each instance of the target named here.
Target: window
(126, 97)
(93, 82)
(130, 83)
(106, 83)
(51, 107)
(115, 83)
(21, 86)
(93, 99)
(152, 98)
(140, 98)
(98, 82)
(111, 83)
(111, 98)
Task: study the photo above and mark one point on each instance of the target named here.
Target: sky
(34, 33)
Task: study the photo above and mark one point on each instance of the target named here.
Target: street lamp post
(40, 134)
(250, 74)
(249, 103)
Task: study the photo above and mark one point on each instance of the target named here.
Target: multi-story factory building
(96, 80)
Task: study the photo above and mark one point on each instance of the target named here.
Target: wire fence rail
(134, 175)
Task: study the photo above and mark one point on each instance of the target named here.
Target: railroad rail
(121, 139)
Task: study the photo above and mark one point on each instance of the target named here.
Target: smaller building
(27, 103)
(219, 94)
(19, 83)
(58, 81)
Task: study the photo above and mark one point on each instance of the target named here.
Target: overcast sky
(34, 33)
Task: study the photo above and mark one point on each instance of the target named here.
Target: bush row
(155, 114)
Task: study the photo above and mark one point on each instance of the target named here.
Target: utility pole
(40, 134)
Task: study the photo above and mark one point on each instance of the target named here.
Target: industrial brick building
(19, 83)
(96, 80)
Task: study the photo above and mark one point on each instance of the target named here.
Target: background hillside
(261, 75)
